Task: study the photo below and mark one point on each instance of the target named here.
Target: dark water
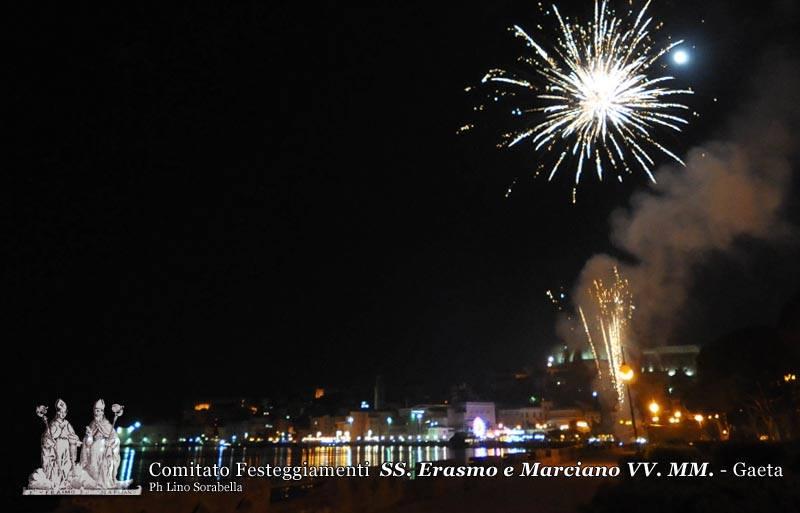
(136, 461)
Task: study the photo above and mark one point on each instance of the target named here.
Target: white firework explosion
(597, 101)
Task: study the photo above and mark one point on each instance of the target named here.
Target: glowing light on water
(126, 466)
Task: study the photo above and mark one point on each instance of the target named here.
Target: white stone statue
(59, 450)
(96, 474)
(100, 454)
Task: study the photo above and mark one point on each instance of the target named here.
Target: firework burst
(597, 102)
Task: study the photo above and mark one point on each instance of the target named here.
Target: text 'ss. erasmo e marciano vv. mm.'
(428, 469)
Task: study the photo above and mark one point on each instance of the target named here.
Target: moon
(680, 57)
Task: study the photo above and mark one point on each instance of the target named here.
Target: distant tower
(377, 399)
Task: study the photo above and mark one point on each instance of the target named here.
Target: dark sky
(250, 198)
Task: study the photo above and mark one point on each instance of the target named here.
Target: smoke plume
(732, 189)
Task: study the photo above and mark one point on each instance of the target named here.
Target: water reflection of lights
(343, 455)
(219, 455)
(126, 467)
(486, 452)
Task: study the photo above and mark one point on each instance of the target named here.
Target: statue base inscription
(82, 491)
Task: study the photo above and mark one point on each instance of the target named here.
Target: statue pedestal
(82, 491)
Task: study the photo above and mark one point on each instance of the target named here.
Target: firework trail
(597, 102)
(613, 304)
(591, 343)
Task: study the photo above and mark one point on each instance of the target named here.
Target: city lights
(625, 373)
(479, 427)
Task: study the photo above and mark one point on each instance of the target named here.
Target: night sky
(256, 199)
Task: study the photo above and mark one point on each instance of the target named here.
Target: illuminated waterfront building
(461, 416)
(673, 360)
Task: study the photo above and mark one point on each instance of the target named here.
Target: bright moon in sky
(680, 57)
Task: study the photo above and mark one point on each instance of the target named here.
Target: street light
(626, 375)
(654, 407)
